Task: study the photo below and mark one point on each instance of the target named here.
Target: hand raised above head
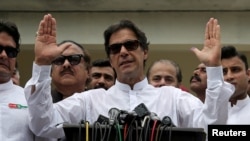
(210, 54)
(45, 44)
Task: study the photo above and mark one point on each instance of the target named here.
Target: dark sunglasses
(10, 51)
(130, 45)
(73, 59)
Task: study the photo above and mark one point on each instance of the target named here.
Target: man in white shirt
(236, 72)
(127, 48)
(13, 105)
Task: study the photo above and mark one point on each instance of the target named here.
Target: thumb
(195, 50)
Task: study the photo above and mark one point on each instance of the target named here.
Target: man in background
(70, 70)
(165, 72)
(102, 75)
(198, 82)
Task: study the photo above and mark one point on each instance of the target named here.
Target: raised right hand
(46, 49)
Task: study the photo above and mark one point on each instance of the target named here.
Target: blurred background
(172, 26)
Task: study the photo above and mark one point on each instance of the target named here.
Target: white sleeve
(215, 108)
(43, 118)
(218, 92)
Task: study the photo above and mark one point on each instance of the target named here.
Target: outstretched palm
(45, 45)
(211, 52)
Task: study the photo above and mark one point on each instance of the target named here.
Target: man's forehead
(101, 69)
(6, 40)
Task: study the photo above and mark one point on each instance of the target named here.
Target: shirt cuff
(214, 76)
(40, 73)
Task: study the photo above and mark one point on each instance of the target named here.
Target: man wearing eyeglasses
(70, 70)
(13, 105)
(127, 48)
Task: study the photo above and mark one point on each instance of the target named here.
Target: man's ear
(248, 74)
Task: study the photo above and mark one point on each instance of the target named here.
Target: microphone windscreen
(167, 121)
(141, 110)
(113, 114)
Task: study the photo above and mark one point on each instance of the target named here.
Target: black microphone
(167, 121)
(141, 110)
(102, 119)
(137, 114)
(126, 117)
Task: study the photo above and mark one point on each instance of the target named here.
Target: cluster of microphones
(139, 124)
(140, 113)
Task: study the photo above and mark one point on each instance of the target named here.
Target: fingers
(218, 35)
(212, 29)
(53, 29)
(47, 26)
(209, 29)
(40, 28)
(215, 23)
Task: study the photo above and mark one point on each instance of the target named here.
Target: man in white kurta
(13, 119)
(13, 106)
(236, 72)
(131, 87)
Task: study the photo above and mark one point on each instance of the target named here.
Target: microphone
(113, 114)
(127, 117)
(153, 116)
(167, 121)
(102, 119)
(141, 110)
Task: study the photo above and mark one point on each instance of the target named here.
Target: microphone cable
(136, 130)
(93, 132)
(153, 130)
(168, 121)
(162, 130)
(133, 129)
(87, 130)
(80, 130)
(169, 129)
(119, 131)
(105, 131)
(127, 129)
(101, 124)
(109, 131)
(125, 132)
(157, 132)
(146, 118)
(146, 135)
